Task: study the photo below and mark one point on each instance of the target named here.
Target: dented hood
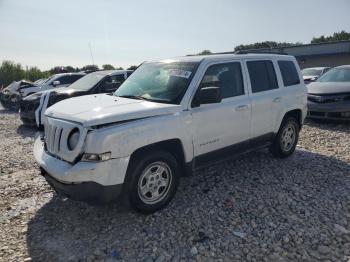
(102, 109)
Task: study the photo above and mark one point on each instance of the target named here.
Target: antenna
(93, 62)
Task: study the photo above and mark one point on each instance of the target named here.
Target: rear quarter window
(289, 73)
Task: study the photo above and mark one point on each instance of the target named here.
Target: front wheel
(286, 139)
(152, 181)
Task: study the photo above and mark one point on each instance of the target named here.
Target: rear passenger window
(227, 76)
(262, 76)
(75, 77)
(289, 73)
(64, 80)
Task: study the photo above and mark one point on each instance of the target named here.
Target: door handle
(277, 99)
(241, 107)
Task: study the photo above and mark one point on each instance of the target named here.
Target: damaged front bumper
(99, 182)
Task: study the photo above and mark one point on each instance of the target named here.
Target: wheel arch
(173, 146)
(297, 114)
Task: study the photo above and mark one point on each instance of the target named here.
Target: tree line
(339, 36)
(10, 71)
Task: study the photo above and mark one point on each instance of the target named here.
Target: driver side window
(111, 83)
(227, 76)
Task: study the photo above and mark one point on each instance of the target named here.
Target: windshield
(49, 79)
(159, 82)
(311, 72)
(88, 81)
(336, 75)
(39, 81)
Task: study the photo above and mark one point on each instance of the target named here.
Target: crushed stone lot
(251, 208)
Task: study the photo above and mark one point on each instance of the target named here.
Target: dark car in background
(12, 95)
(32, 108)
(313, 73)
(329, 96)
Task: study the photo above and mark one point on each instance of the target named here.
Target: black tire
(279, 148)
(137, 174)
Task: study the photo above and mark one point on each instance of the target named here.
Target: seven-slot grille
(53, 135)
(56, 139)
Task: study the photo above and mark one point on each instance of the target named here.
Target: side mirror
(210, 95)
(56, 83)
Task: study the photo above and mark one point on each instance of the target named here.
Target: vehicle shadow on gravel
(254, 205)
(27, 131)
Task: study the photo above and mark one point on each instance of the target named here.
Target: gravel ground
(252, 208)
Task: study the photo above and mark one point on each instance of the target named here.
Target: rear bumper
(335, 111)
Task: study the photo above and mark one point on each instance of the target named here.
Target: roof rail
(243, 52)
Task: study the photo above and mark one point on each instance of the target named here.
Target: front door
(224, 125)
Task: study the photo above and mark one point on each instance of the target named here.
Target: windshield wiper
(134, 97)
(146, 99)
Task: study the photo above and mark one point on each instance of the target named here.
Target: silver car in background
(329, 96)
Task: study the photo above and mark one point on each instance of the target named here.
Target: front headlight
(73, 138)
(96, 157)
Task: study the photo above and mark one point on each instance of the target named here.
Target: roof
(75, 73)
(216, 57)
(343, 66)
(110, 72)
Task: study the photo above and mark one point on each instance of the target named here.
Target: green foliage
(107, 67)
(34, 73)
(70, 69)
(205, 52)
(339, 36)
(133, 67)
(265, 44)
(119, 68)
(89, 67)
(10, 71)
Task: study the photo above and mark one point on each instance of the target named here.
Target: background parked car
(32, 107)
(10, 95)
(311, 74)
(58, 80)
(329, 96)
(14, 93)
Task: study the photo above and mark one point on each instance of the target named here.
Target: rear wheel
(152, 181)
(286, 139)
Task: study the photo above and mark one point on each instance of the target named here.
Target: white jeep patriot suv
(168, 118)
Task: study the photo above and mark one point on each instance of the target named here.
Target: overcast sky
(47, 33)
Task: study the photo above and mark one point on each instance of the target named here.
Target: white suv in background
(167, 119)
(55, 81)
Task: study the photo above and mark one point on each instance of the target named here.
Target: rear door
(224, 125)
(265, 97)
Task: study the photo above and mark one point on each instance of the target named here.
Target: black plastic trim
(91, 192)
(233, 150)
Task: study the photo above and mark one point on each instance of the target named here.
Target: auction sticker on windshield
(180, 73)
